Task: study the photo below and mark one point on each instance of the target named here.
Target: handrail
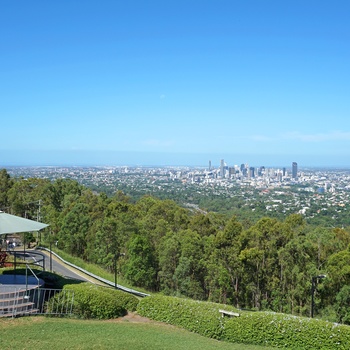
(36, 277)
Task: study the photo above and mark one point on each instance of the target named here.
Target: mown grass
(42, 333)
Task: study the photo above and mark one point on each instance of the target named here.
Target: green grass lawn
(43, 333)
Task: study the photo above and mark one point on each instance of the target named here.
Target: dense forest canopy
(265, 264)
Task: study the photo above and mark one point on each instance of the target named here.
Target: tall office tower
(284, 171)
(294, 170)
(279, 176)
(222, 168)
(252, 171)
(209, 165)
(261, 171)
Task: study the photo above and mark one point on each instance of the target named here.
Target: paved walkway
(65, 270)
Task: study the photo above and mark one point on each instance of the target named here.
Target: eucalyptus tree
(5, 185)
(223, 263)
(72, 236)
(140, 266)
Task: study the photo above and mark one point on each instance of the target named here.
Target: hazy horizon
(149, 159)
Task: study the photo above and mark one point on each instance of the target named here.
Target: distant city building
(231, 171)
(261, 171)
(222, 168)
(279, 176)
(209, 165)
(284, 171)
(294, 170)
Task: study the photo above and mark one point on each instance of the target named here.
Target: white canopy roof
(15, 224)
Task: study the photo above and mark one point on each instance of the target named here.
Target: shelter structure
(17, 286)
(15, 224)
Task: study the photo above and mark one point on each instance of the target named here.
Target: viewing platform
(16, 295)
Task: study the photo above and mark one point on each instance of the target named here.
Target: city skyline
(174, 83)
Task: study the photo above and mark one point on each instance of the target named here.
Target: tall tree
(5, 185)
(224, 265)
(141, 265)
(74, 230)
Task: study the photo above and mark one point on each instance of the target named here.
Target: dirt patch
(133, 317)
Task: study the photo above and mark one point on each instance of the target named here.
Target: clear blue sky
(175, 82)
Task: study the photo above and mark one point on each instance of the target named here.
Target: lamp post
(116, 256)
(313, 289)
(50, 253)
(55, 242)
(115, 270)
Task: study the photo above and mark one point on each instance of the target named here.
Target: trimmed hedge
(92, 301)
(259, 328)
(197, 316)
(292, 332)
(127, 300)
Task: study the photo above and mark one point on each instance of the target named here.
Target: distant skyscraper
(222, 168)
(261, 171)
(284, 171)
(294, 170)
(279, 176)
(252, 171)
(209, 165)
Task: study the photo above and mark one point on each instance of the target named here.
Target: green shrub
(92, 301)
(259, 328)
(287, 331)
(197, 316)
(60, 303)
(128, 301)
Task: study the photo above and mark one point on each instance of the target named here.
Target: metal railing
(22, 257)
(36, 301)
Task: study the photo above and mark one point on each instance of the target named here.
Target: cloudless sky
(175, 82)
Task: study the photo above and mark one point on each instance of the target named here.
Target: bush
(60, 303)
(197, 316)
(126, 300)
(287, 331)
(260, 328)
(91, 301)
